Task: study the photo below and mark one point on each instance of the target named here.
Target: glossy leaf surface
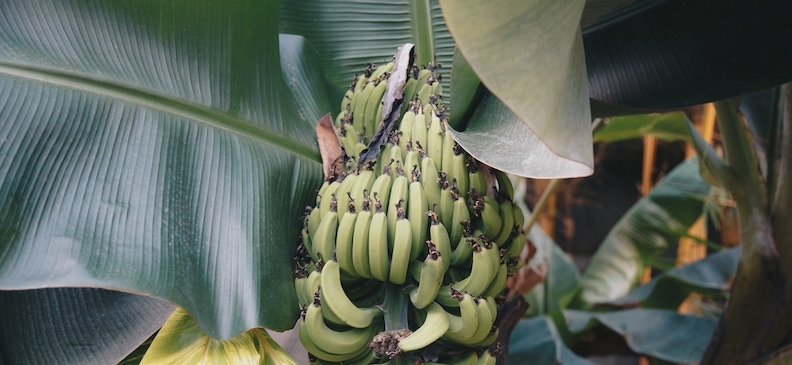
(155, 148)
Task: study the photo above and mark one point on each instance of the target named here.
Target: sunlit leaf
(529, 54)
(181, 341)
(668, 127)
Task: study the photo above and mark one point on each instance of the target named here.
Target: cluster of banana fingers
(420, 216)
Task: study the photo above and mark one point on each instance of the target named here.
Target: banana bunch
(424, 216)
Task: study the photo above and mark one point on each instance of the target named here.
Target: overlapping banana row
(421, 216)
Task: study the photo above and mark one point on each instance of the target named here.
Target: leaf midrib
(160, 102)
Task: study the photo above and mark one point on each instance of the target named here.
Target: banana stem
(395, 312)
(540, 204)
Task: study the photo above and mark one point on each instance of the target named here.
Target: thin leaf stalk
(423, 34)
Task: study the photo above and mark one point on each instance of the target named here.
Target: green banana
(336, 300)
(486, 358)
(371, 120)
(346, 101)
(460, 215)
(405, 129)
(481, 273)
(516, 246)
(499, 281)
(314, 350)
(322, 189)
(344, 193)
(398, 195)
(435, 325)
(359, 113)
(363, 184)
(446, 207)
(448, 297)
(434, 140)
(437, 89)
(519, 217)
(446, 163)
(424, 93)
(411, 160)
(360, 241)
(429, 178)
(465, 325)
(398, 160)
(300, 287)
(312, 223)
(490, 216)
(505, 186)
(328, 197)
(439, 236)
(430, 280)
(323, 243)
(382, 187)
(330, 340)
(460, 169)
(382, 70)
(409, 94)
(379, 262)
(506, 213)
(477, 179)
(344, 239)
(463, 252)
(484, 327)
(419, 130)
(402, 245)
(416, 213)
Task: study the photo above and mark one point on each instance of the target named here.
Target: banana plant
(167, 149)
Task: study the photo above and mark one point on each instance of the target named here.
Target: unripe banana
(481, 273)
(516, 246)
(382, 70)
(405, 129)
(430, 281)
(419, 130)
(327, 198)
(486, 358)
(363, 80)
(446, 163)
(300, 287)
(336, 300)
(434, 140)
(506, 213)
(484, 328)
(307, 242)
(463, 252)
(382, 186)
(469, 359)
(346, 102)
(499, 281)
(312, 223)
(478, 181)
(344, 239)
(429, 178)
(416, 213)
(371, 120)
(439, 236)
(424, 92)
(411, 160)
(460, 170)
(490, 216)
(460, 218)
(323, 243)
(330, 340)
(314, 350)
(359, 113)
(402, 245)
(519, 217)
(379, 262)
(350, 139)
(321, 191)
(360, 241)
(437, 89)
(505, 186)
(465, 325)
(446, 207)
(398, 160)
(363, 184)
(448, 297)
(343, 194)
(435, 325)
(398, 195)
(423, 78)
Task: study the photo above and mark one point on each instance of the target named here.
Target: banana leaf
(668, 127)
(710, 276)
(181, 341)
(156, 148)
(663, 334)
(650, 227)
(75, 325)
(536, 341)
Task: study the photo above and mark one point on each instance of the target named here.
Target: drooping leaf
(666, 335)
(529, 54)
(701, 51)
(350, 33)
(498, 138)
(75, 325)
(668, 127)
(181, 341)
(562, 277)
(154, 147)
(710, 276)
(536, 341)
(651, 226)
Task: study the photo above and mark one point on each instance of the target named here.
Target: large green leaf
(710, 275)
(650, 227)
(350, 33)
(181, 341)
(536, 341)
(668, 127)
(529, 54)
(75, 325)
(666, 335)
(154, 147)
